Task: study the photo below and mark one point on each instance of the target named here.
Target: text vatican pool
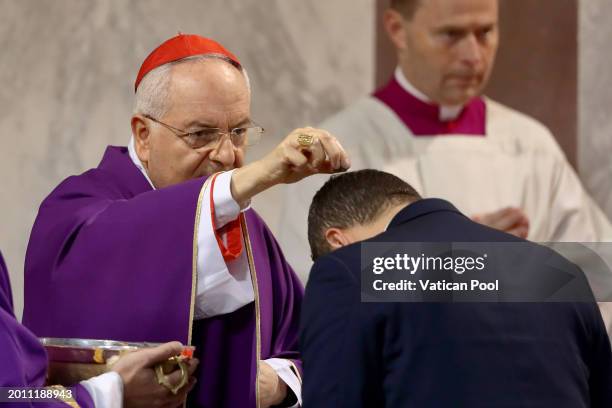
(429, 285)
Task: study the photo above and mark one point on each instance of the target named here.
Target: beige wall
(68, 67)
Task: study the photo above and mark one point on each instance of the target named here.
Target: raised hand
(304, 152)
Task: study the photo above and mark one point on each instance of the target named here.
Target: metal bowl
(75, 360)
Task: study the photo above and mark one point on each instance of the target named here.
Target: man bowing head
(158, 242)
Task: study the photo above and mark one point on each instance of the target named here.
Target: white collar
(136, 160)
(447, 113)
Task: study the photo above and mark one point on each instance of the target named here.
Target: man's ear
(142, 138)
(395, 26)
(336, 238)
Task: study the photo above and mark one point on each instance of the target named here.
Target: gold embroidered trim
(194, 263)
(245, 233)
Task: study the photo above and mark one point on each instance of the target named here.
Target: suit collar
(420, 208)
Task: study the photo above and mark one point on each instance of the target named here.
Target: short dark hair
(353, 198)
(406, 8)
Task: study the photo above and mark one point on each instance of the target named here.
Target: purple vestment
(111, 258)
(23, 361)
(423, 119)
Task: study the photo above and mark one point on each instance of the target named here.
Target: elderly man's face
(449, 48)
(203, 94)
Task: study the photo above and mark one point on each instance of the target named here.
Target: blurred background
(68, 67)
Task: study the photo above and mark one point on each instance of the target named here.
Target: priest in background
(131, 382)
(431, 126)
(159, 243)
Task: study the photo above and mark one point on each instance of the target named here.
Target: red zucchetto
(179, 47)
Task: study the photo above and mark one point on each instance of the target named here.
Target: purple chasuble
(111, 258)
(23, 361)
(423, 119)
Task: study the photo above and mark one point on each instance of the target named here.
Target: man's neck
(393, 211)
(447, 113)
(136, 160)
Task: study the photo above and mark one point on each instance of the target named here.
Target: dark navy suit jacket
(358, 354)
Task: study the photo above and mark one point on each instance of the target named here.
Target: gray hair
(152, 93)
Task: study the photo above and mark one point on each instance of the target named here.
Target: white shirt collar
(136, 160)
(447, 113)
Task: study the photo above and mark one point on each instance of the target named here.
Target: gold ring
(162, 378)
(306, 140)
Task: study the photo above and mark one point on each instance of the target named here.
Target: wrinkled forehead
(210, 89)
(207, 78)
(457, 13)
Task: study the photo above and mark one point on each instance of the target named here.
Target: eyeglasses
(210, 137)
